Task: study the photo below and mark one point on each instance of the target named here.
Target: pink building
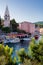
(27, 26)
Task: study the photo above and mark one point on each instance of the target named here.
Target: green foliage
(6, 29)
(40, 24)
(36, 51)
(33, 57)
(14, 25)
(27, 62)
(22, 55)
(5, 55)
(1, 23)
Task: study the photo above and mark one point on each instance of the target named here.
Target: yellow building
(41, 30)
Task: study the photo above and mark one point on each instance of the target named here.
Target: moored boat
(11, 40)
(26, 39)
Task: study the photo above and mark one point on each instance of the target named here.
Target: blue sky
(23, 10)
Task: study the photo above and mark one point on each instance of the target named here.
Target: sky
(23, 10)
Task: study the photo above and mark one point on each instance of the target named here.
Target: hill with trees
(40, 24)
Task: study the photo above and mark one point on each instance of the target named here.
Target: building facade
(6, 18)
(27, 26)
(41, 30)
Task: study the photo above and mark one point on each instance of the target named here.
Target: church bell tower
(6, 18)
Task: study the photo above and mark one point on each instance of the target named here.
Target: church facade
(6, 18)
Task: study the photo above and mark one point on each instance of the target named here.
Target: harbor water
(18, 46)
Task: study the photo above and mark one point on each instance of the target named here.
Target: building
(6, 18)
(27, 26)
(41, 30)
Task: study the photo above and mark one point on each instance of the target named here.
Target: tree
(34, 55)
(14, 25)
(22, 55)
(6, 29)
(1, 23)
(36, 51)
(5, 55)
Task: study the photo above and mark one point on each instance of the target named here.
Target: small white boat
(12, 40)
(6, 41)
(26, 39)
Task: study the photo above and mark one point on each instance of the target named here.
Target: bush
(6, 29)
(34, 55)
(36, 51)
(5, 55)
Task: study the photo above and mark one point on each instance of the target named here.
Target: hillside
(40, 22)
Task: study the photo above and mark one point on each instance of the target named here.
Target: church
(6, 18)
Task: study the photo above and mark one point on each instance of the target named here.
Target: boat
(14, 40)
(6, 41)
(21, 40)
(26, 39)
(11, 40)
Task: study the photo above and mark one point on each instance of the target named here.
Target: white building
(6, 18)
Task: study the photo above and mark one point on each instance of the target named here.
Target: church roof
(6, 11)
